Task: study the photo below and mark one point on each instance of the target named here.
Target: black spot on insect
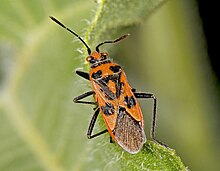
(115, 69)
(103, 83)
(130, 101)
(113, 78)
(119, 89)
(116, 79)
(108, 109)
(109, 95)
(106, 80)
(97, 74)
(121, 109)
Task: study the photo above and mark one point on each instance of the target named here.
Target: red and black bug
(115, 99)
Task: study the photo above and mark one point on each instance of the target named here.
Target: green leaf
(115, 17)
(40, 127)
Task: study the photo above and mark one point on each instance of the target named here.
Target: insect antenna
(62, 25)
(112, 41)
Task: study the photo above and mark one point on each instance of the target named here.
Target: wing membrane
(129, 133)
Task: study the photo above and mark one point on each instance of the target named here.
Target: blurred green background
(40, 127)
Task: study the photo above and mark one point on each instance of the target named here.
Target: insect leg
(83, 74)
(111, 140)
(92, 124)
(84, 95)
(154, 116)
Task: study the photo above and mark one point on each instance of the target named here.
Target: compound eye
(104, 55)
(90, 59)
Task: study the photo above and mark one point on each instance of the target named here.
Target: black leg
(154, 116)
(82, 96)
(111, 140)
(83, 74)
(92, 124)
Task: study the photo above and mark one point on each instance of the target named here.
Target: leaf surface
(40, 127)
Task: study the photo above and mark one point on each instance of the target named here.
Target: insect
(114, 99)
